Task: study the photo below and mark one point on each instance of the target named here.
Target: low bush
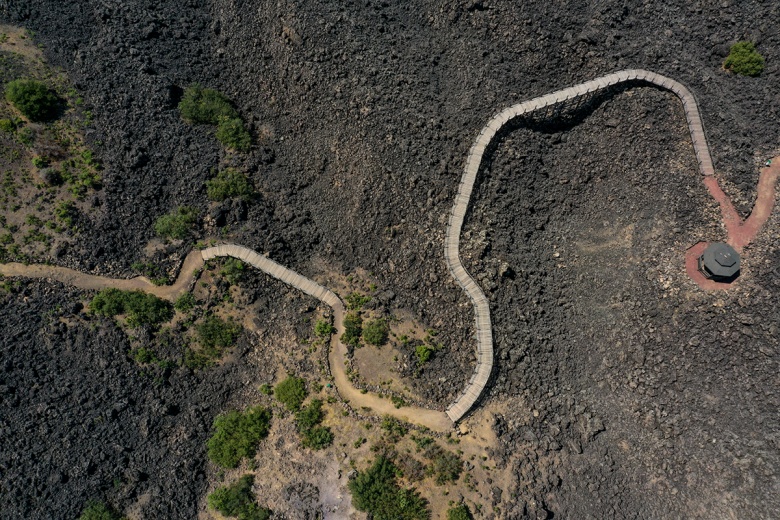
(459, 512)
(177, 224)
(445, 465)
(324, 329)
(185, 302)
(356, 301)
(318, 438)
(237, 434)
(32, 98)
(394, 428)
(353, 328)
(40, 162)
(99, 511)
(233, 270)
(411, 469)
(375, 332)
(140, 308)
(229, 183)
(744, 59)
(232, 133)
(307, 421)
(7, 126)
(424, 353)
(291, 392)
(238, 501)
(215, 335)
(205, 106)
(376, 491)
(66, 212)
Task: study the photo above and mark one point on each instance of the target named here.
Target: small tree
(744, 59)
(291, 392)
(32, 98)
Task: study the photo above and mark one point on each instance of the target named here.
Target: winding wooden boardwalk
(556, 100)
(337, 356)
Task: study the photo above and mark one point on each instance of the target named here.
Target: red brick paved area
(740, 233)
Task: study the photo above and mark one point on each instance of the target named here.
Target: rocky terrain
(632, 394)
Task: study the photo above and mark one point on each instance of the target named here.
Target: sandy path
(432, 419)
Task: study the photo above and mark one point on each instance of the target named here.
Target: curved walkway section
(279, 272)
(337, 356)
(484, 333)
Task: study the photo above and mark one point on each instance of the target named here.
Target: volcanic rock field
(621, 390)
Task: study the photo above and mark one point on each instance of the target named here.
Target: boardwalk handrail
(484, 334)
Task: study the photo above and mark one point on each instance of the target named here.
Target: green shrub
(744, 59)
(40, 162)
(424, 353)
(144, 355)
(307, 421)
(459, 512)
(398, 402)
(99, 511)
(185, 302)
(356, 301)
(196, 360)
(232, 133)
(291, 392)
(394, 428)
(32, 98)
(229, 183)
(205, 106)
(309, 416)
(140, 308)
(377, 492)
(324, 329)
(215, 334)
(176, 224)
(445, 465)
(7, 126)
(233, 270)
(375, 332)
(238, 501)
(237, 434)
(66, 212)
(318, 438)
(353, 327)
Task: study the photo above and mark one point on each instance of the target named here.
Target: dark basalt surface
(364, 113)
(80, 421)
